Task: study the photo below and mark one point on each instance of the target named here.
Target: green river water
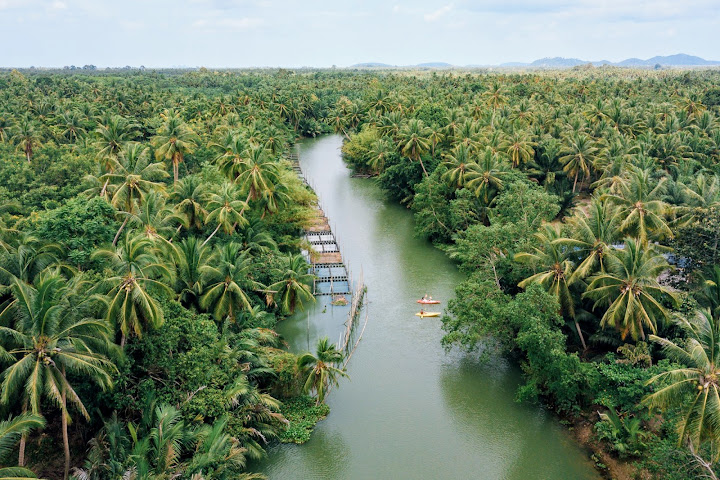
(409, 410)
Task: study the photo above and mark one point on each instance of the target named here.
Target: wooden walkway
(331, 275)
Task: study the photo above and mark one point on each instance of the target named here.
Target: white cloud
(58, 5)
(432, 16)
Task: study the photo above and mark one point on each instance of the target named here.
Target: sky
(296, 33)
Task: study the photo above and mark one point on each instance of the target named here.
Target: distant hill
(434, 65)
(371, 65)
(557, 62)
(678, 60)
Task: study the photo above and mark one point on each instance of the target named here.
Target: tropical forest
(159, 316)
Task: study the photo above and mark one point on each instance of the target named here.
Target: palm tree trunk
(117, 235)
(432, 207)
(104, 188)
(575, 182)
(176, 169)
(582, 339)
(66, 442)
(23, 438)
(123, 338)
(211, 235)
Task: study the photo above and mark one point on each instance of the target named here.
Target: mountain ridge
(676, 60)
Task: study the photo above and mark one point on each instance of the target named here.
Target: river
(409, 410)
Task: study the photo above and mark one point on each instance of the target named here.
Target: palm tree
(136, 268)
(163, 446)
(495, 98)
(460, 166)
(258, 173)
(190, 197)
(130, 179)
(255, 239)
(694, 387)
(173, 141)
(640, 209)
(227, 280)
(593, 233)
(112, 135)
(190, 256)
(26, 258)
(53, 337)
(11, 431)
(578, 157)
(321, 369)
(709, 294)
(486, 177)
(555, 272)
(630, 290)
(72, 126)
(380, 151)
(132, 176)
(413, 141)
(226, 210)
(294, 286)
(234, 148)
(26, 137)
(156, 221)
(519, 148)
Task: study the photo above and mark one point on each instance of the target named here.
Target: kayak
(428, 314)
(428, 302)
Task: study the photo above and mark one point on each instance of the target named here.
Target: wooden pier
(331, 275)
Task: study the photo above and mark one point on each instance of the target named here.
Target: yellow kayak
(428, 314)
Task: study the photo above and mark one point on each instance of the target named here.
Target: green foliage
(303, 414)
(80, 225)
(625, 434)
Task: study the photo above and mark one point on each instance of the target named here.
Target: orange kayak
(428, 302)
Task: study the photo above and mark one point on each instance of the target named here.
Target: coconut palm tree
(173, 141)
(132, 176)
(519, 148)
(258, 173)
(255, 239)
(640, 209)
(190, 197)
(227, 282)
(11, 431)
(53, 334)
(630, 290)
(380, 150)
(460, 164)
(156, 221)
(413, 141)
(694, 386)
(709, 294)
(593, 233)
(234, 148)
(578, 157)
(190, 256)
(134, 268)
(322, 369)
(226, 210)
(294, 286)
(26, 257)
(495, 98)
(27, 137)
(486, 176)
(555, 272)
